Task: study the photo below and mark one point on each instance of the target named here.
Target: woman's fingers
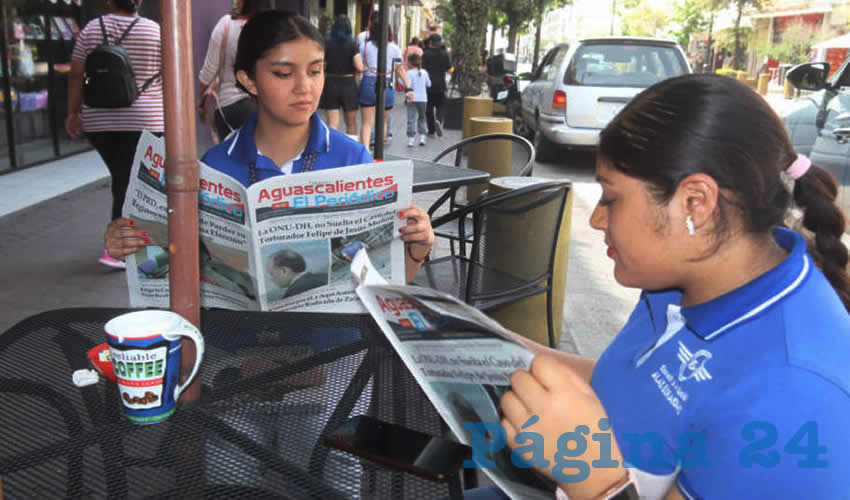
(122, 238)
(418, 228)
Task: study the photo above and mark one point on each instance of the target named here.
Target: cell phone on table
(421, 454)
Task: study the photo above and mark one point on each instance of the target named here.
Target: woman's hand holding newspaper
(561, 400)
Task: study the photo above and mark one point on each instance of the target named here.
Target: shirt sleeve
(82, 44)
(427, 79)
(211, 62)
(365, 157)
(791, 442)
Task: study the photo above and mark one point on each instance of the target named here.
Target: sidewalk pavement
(52, 219)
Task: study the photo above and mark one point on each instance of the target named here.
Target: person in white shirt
(235, 104)
(420, 82)
(368, 99)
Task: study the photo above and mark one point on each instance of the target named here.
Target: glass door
(65, 23)
(29, 52)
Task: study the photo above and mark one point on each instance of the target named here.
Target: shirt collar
(713, 318)
(244, 147)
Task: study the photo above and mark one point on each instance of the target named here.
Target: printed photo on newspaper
(460, 357)
(282, 244)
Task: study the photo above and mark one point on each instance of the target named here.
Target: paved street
(50, 249)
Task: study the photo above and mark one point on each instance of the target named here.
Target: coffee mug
(145, 349)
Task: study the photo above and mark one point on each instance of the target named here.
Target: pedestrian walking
(369, 53)
(114, 131)
(412, 48)
(343, 65)
(436, 61)
(420, 83)
(223, 106)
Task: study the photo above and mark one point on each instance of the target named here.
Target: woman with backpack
(129, 46)
(222, 104)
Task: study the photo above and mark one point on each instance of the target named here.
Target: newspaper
(283, 244)
(462, 359)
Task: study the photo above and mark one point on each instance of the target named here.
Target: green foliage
(794, 48)
(644, 20)
(540, 8)
(516, 15)
(446, 14)
(691, 16)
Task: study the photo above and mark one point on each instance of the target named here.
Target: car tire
(521, 128)
(545, 149)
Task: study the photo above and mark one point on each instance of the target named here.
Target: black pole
(380, 81)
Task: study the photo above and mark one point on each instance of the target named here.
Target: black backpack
(109, 80)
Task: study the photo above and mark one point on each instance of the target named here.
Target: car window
(623, 65)
(544, 64)
(553, 67)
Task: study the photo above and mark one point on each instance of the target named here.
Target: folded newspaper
(282, 244)
(462, 359)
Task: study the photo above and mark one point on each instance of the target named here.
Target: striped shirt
(143, 47)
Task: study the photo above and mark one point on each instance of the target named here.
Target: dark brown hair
(717, 126)
(265, 31)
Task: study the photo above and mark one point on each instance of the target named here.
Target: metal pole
(181, 173)
(380, 81)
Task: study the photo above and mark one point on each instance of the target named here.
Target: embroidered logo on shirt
(693, 364)
(308, 162)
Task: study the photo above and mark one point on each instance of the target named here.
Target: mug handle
(186, 329)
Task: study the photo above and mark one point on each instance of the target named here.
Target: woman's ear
(699, 195)
(246, 82)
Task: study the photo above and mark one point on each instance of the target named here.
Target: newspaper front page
(284, 244)
(462, 359)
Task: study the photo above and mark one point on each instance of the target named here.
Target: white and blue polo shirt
(752, 388)
(326, 148)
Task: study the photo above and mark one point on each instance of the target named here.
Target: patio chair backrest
(522, 152)
(529, 216)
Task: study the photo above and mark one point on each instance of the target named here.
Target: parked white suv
(580, 86)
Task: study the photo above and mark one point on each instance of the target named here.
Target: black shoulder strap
(149, 82)
(103, 30)
(124, 35)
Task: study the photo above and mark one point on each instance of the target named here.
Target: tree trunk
(538, 28)
(709, 56)
(512, 32)
(736, 55)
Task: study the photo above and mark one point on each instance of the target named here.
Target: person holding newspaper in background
(280, 63)
(734, 361)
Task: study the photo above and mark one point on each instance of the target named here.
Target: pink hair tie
(799, 167)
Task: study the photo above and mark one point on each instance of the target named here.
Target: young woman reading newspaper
(729, 379)
(280, 63)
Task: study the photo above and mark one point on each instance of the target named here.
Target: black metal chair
(489, 277)
(523, 167)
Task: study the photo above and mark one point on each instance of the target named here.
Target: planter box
(453, 113)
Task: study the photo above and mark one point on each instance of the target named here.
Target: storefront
(38, 37)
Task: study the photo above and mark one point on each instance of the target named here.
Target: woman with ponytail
(730, 378)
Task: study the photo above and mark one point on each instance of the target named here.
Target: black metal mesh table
(273, 383)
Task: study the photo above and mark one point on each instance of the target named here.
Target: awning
(841, 42)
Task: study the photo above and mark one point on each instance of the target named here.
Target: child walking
(419, 83)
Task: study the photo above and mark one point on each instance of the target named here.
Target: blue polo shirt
(326, 148)
(745, 396)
